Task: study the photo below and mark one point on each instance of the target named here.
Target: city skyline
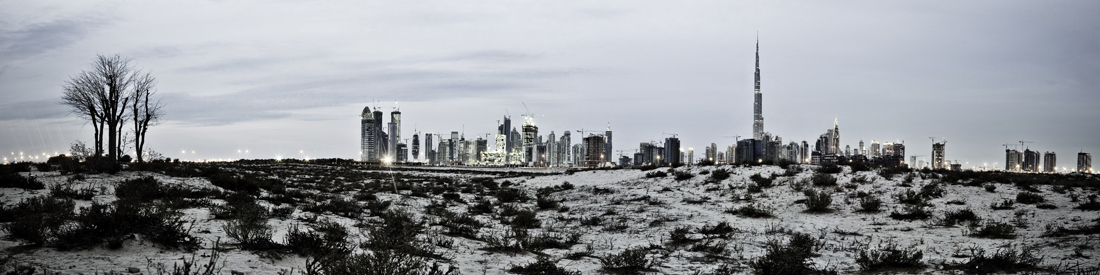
(880, 88)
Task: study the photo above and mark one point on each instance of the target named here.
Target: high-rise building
(416, 146)
(429, 154)
(862, 150)
(607, 146)
(691, 156)
(835, 138)
(672, 150)
(1084, 162)
(1013, 160)
(452, 147)
(391, 144)
(395, 132)
(443, 154)
(758, 105)
(594, 156)
(504, 129)
(938, 160)
(1031, 160)
(402, 152)
(746, 151)
(1050, 162)
(530, 140)
(876, 151)
(379, 136)
(367, 135)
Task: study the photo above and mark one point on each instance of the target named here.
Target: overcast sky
(280, 78)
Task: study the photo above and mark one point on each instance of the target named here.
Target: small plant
(829, 168)
(910, 197)
(250, 230)
(911, 212)
(762, 181)
(656, 174)
(1004, 259)
(994, 230)
(544, 202)
(823, 179)
(890, 256)
(542, 266)
(16, 181)
(511, 195)
(752, 211)
(630, 261)
(719, 175)
(951, 218)
(989, 187)
(1091, 205)
(1006, 204)
(870, 204)
(1029, 198)
(817, 201)
(682, 175)
(526, 219)
(719, 230)
(680, 236)
(789, 258)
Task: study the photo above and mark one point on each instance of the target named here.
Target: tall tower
(758, 117)
(416, 145)
(366, 146)
(607, 145)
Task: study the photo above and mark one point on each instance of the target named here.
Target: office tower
(805, 152)
(876, 151)
(416, 146)
(379, 136)
(566, 145)
(1050, 162)
(504, 130)
(594, 156)
(395, 131)
(452, 147)
(847, 150)
(607, 145)
(1084, 162)
(691, 156)
(746, 151)
(391, 144)
(530, 138)
(1031, 160)
(402, 152)
(443, 154)
(862, 150)
(366, 146)
(938, 161)
(672, 150)
(835, 138)
(1013, 160)
(758, 105)
(429, 154)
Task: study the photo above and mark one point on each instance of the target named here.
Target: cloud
(36, 39)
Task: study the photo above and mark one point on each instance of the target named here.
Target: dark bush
(399, 234)
(511, 195)
(822, 179)
(790, 258)
(719, 175)
(910, 197)
(1091, 205)
(1029, 198)
(526, 219)
(719, 230)
(68, 191)
(14, 180)
(817, 201)
(542, 266)
(656, 174)
(1006, 259)
(951, 218)
(989, 187)
(890, 256)
(326, 238)
(829, 168)
(994, 230)
(682, 175)
(462, 225)
(250, 230)
(762, 181)
(1005, 204)
(37, 220)
(680, 236)
(912, 212)
(482, 206)
(752, 211)
(545, 202)
(630, 261)
(870, 204)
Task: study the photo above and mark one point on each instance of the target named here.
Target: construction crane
(669, 134)
(1007, 144)
(529, 115)
(1024, 141)
(934, 140)
(735, 137)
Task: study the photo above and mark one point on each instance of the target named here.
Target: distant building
(691, 156)
(1013, 160)
(594, 156)
(607, 144)
(672, 150)
(938, 160)
(1084, 162)
(395, 134)
(367, 136)
(429, 154)
(402, 153)
(624, 161)
(416, 146)
(749, 151)
(1031, 161)
(1050, 162)
(876, 151)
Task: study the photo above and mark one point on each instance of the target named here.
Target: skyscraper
(395, 134)
(416, 145)
(366, 146)
(1031, 160)
(938, 161)
(530, 136)
(607, 145)
(758, 112)
(1050, 162)
(1084, 162)
(1013, 160)
(379, 134)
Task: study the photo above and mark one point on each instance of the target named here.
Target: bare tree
(108, 95)
(145, 113)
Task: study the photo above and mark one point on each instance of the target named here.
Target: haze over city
(289, 80)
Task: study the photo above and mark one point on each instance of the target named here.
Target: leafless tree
(145, 112)
(108, 95)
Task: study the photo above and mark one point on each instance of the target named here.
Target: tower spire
(758, 116)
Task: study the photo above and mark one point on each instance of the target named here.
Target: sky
(290, 78)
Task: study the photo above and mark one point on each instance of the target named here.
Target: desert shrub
(994, 230)
(719, 175)
(829, 168)
(112, 223)
(890, 256)
(1029, 198)
(526, 219)
(719, 230)
(710, 246)
(14, 180)
(547, 240)
(250, 230)
(591, 221)
(656, 174)
(680, 236)
(545, 202)
(682, 175)
(790, 258)
(931, 191)
(283, 212)
(398, 233)
(630, 261)
(374, 263)
(1046, 206)
(1090, 205)
(911, 212)
(1005, 204)
(462, 225)
(951, 218)
(817, 201)
(753, 188)
(248, 183)
(38, 220)
(823, 179)
(451, 196)
(240, 205)
(541, 266)
(989, 187)
(910, 197)
(761, 181)
(339, 206)
(377, 208)
(68, 191)
(482, 206)
(511, 195)
(752, 211)
(1005, 259)
(326, 238)
(870, 203)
